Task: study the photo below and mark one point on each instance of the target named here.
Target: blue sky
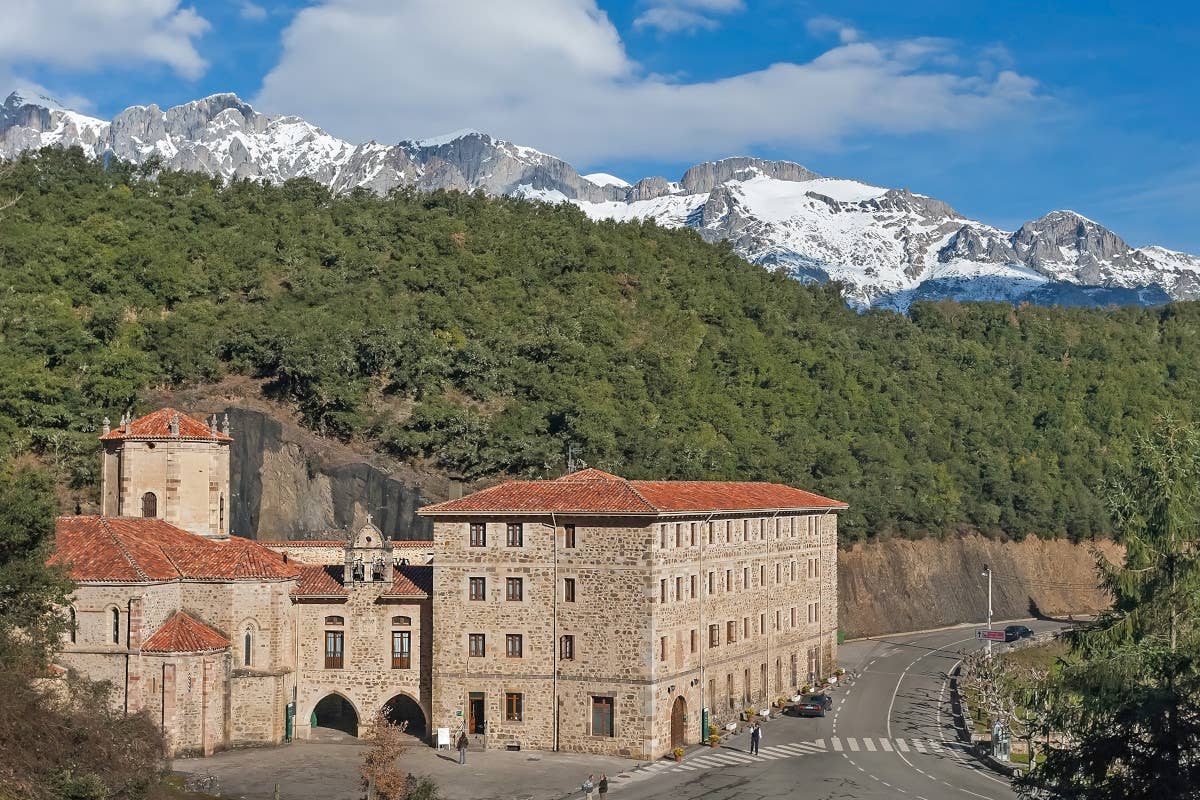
(1003, 109)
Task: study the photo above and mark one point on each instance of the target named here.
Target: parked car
(813, 705)
(1014, 632)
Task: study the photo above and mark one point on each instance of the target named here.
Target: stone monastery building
(588, 613)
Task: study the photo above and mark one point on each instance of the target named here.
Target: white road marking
(886, 745)
(867, 743)
(820, 743)
(853, 744)
(917, 744)
(901, 746)
(837, 744)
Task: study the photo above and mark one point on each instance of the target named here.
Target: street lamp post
(988, 572)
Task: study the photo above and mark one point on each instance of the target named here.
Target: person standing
(603, 786)
(755, 738)
(463, 743)
(588, 786)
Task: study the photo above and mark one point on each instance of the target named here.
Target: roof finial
(105, 424)
(174, 425)
(225, 424)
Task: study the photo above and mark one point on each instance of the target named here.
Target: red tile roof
(301, 542)
(591, 491)
(138, 550)
(183, 633)
(325, 580)
(320, 580)
(157, 425)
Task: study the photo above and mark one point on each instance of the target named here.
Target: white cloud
(252, 11)
(672, 16)
(823, 26)
(84, 34)
(554, 74)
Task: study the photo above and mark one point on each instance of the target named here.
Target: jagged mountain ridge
(888, 246)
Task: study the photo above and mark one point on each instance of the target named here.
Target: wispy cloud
(826, 26)
(674, 16)
(252, 11)
(555, 74)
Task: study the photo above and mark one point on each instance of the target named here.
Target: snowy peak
(888, 246)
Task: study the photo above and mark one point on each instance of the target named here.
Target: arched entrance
(335, 712)
(678, 722)
(403, 708)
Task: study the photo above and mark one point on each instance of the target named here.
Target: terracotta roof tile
(320, 580)
(410, 580)
(301, 542)
(157, 425)
(138, 550)
(422, 544)
(183, 633)
(592, 491)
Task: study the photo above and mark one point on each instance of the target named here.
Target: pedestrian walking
(462, 744)
(603, 786)
(588, 786)
(755, 738)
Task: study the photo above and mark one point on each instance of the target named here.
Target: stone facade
(668, 617)
(611, 625)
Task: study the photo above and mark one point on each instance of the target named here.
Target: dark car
(1014, 632)
(813, 705)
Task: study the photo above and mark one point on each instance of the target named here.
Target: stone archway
(679, 722)
(335, 712)
(403, 708)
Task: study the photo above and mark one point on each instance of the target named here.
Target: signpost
(990, 636)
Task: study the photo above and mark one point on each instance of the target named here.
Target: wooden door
(678, 722)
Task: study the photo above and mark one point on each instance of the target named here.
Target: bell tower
(169, 466)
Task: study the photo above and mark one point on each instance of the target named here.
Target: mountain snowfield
(888, 247)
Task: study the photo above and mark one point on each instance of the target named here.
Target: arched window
(73, 622)
(402, 620)
(335, 621)
(149, 505)
(116, 626)
(221, 516)
(246, 643)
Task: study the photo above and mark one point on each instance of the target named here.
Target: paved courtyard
(328, 770)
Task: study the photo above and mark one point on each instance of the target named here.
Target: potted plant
(678, 753)
(714, 736)
(839, 672)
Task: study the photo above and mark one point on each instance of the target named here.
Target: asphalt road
(891, 734)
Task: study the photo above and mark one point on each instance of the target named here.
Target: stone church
(588, 613)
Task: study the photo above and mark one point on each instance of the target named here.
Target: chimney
(174, 425)
(105, 425)
(456, 489)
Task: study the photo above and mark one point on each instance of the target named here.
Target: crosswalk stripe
(917, 744)
(820, 743)
(772, 755)
(901, 746)
(853, 744)
(688, 767)
(837, 744)
(705, 761)
(790, 748)
(886, 745)
(869, 745)
(935, 746)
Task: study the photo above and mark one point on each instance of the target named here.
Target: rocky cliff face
(889, 247)
(902, 585)
(280, 491)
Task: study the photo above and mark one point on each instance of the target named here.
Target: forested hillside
(479, 335)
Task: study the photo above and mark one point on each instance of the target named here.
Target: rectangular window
(745, 530)
(714, 635)
(712, 532)
(762, 623)
(678, 588)
(778, 527)
(512, 706)
(793, 570)
(679, 534)
(729, 580)
(569, 536)
(712, 583)
(335, 649)
(745, 627)
(692, 581)
(778, 572)
(514, 589)
(662, 590)
(476, 645)
(662, 648)
(731, 631)
(662, 536)
(477, 588)
(478, 534)
(401, 649)
(602, 716)
(568, 590)
(745, 577)
(515, 537)
(512, 645)
(693, 536)
(693, 639)
(777, 620)
(728, 531)
(762, 574)
(566, 647)
(793, 616)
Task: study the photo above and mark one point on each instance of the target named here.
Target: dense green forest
(479, 335)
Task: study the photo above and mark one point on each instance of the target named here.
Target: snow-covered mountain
(888, 246)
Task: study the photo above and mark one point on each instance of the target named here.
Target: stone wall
(189, 480)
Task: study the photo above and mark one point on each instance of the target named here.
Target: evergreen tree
(1126, 710)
